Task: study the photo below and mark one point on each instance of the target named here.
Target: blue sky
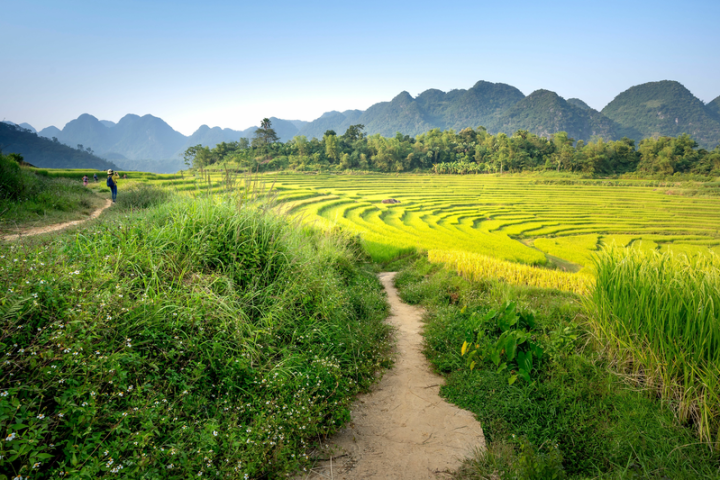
(230, 64)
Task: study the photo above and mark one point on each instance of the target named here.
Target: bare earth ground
(402, 429)
(57, 226)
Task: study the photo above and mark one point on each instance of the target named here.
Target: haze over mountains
(650, 109)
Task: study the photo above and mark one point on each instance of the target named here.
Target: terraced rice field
(484, 225)
(508, 218)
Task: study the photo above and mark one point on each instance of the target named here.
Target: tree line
(467, 151)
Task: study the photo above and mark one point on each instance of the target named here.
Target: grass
(192, 337)
(659, 313)
(575, 418)
(45, 201)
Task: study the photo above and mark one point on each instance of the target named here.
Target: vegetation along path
(57, 226)
(403, 429)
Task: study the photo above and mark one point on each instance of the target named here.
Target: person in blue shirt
(111, 183)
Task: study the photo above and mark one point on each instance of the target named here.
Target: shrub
(191, 339)
(140, 195)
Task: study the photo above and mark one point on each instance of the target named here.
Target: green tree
(265, 135)
(190, 154)
(354, 133)
(332, 145)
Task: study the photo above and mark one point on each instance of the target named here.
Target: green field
(533, 220)
(508, 217)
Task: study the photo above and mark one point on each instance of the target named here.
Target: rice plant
(479, 267)
(659, 313)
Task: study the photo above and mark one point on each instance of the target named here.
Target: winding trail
(402, 429)
(57, 226)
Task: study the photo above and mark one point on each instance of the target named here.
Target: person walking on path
(85, 180)
(95, 178)
(111, 183)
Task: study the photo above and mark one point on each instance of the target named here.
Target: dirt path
(402, 429)
(57, 226)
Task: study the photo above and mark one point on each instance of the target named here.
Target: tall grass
(193, 338)
(660, 313)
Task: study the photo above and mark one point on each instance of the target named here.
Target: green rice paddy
(509, 217)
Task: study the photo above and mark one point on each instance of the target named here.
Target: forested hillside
(45, 153)
(664, 108)
(544, 113)
(714, 108)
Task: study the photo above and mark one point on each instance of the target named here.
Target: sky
(232, 63)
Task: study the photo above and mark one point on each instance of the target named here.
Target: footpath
(58, 226)
(403, 429)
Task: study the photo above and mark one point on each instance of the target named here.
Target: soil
(57, 226)
(403, 429)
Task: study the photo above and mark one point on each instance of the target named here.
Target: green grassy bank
(31, 198)
(542, 387)
(191, 338)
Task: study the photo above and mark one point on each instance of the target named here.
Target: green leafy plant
(515, 348)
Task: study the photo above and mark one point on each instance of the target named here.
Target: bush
(140, 195)
(192, 339)
(15, 182)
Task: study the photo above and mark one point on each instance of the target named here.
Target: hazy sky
(232, 63)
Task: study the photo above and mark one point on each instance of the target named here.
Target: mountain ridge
(649, 109)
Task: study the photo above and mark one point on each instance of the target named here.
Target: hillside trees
(463, 152)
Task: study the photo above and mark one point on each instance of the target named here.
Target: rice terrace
(519, 219)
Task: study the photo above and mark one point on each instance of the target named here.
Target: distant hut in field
(390, 200)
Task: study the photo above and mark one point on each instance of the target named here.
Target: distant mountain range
(650, 109)
(44, 153)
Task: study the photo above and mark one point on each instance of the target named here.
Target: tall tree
(332, 147)
(265, 135)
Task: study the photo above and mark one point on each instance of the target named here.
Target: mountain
(402, 114)
(656, 108)
(145, 137)
(578, 103)
(480, 105)
(327, 121)
(544, 112)
(133, 137)
(49, 132)
(44, 153)
(298, 123)
(664, 108)
(26, 126)
(87, 131)
(433, 108)
(714, 108)
(285, 129)
(211, 136)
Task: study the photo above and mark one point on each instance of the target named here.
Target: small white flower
(40, 417)
(10, 437)
(215, 434)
